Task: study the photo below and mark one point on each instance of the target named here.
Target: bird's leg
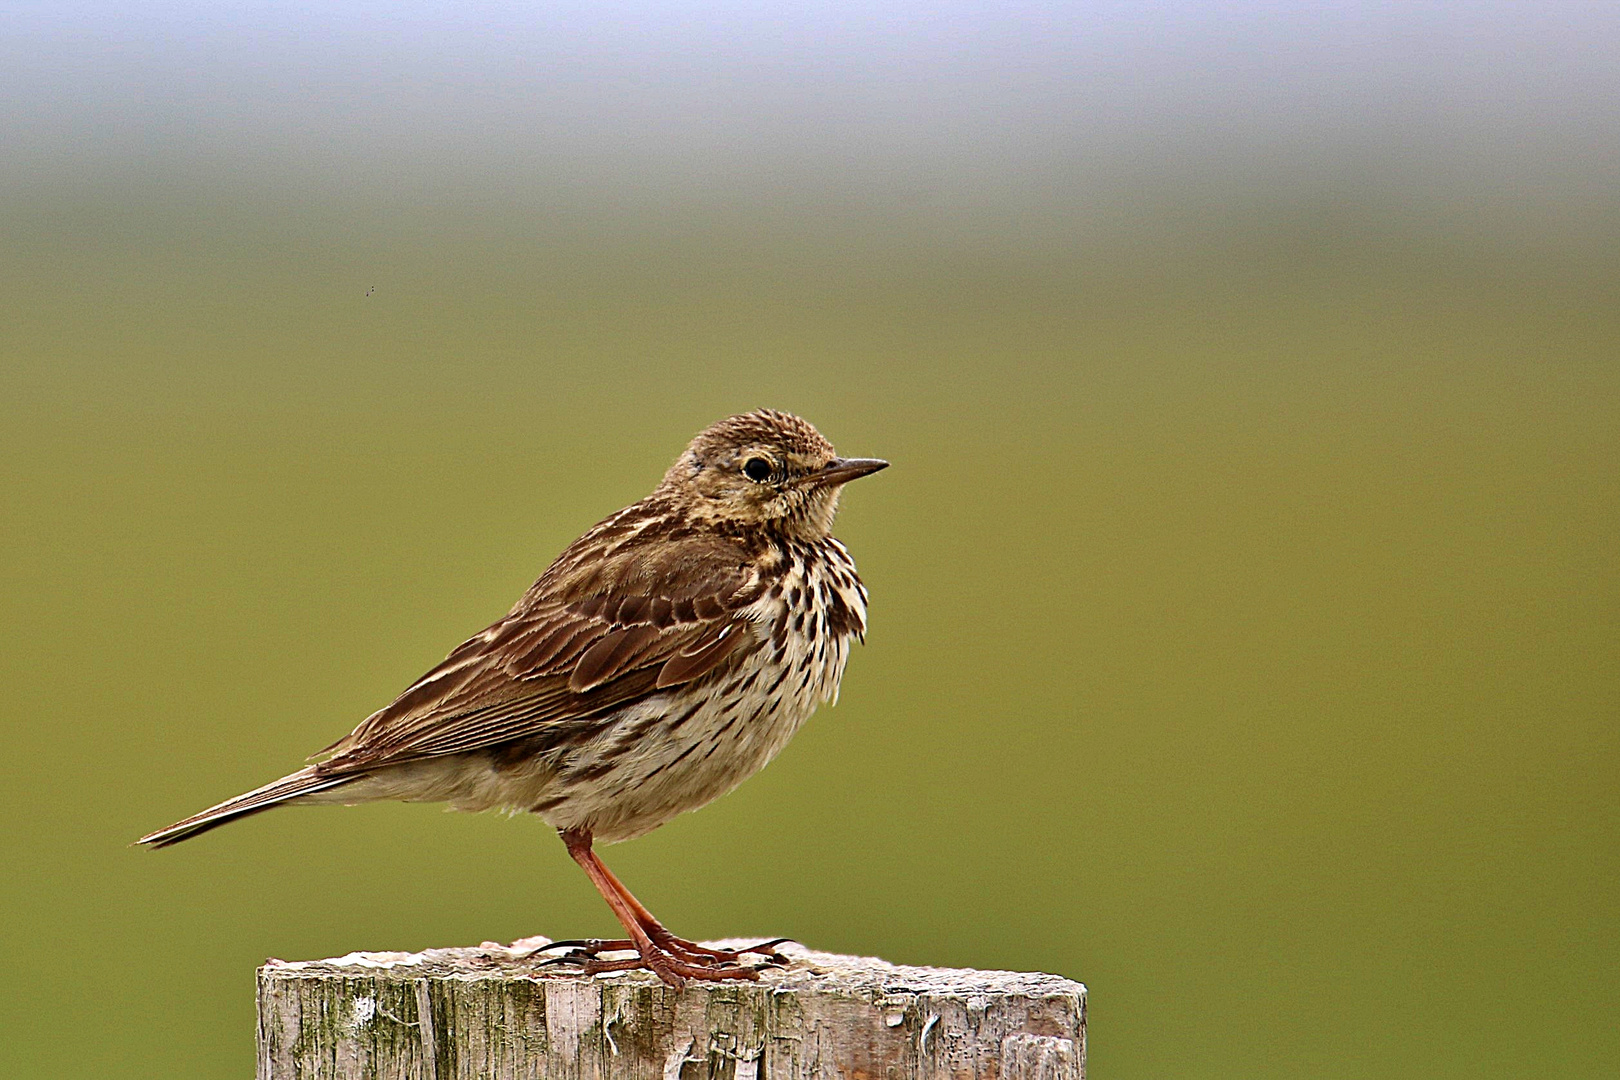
(663, 937)
(668, 964)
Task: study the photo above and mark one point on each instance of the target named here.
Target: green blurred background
(1246, 601)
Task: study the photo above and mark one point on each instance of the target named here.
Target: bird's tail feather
(295, 785)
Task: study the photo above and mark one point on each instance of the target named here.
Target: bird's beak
(843, 470)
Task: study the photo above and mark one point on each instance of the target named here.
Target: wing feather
(567, 656)
(703, 655)
(557, 647)
(612, 654)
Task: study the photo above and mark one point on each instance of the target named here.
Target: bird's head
(765, 468)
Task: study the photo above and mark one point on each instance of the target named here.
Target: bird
(664, 657)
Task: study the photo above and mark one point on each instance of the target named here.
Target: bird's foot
(680, 945)
(674, 960)
(689, 951)
(666, 965)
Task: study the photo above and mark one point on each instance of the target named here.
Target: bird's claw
(672, 961)
(590, 946)
(564, 959)
(767, 949)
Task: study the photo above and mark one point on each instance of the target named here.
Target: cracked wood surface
(489, 1013)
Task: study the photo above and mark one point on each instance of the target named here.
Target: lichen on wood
(494, 1013)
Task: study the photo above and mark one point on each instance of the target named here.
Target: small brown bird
(666, 656)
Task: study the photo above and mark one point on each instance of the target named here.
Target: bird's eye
(757, 469)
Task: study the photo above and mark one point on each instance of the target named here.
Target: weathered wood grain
(493, 1014)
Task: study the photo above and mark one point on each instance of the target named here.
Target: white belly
(671, 752)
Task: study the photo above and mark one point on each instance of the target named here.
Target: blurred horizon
(1245, 608)
(1037, 117)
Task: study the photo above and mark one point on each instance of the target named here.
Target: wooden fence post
(489, 1013)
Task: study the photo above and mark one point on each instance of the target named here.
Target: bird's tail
(295, 785)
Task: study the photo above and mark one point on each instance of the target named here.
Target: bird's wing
(561, 661)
